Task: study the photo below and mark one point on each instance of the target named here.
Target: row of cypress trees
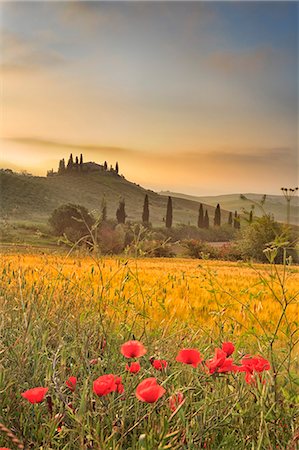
(202, 222)
(77, 164)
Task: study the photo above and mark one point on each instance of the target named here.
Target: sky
(192, 97)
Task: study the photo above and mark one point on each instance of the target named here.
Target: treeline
(202, 222)
(76, 164)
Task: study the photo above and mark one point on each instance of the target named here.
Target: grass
(63, 316)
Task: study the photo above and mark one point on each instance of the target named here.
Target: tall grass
(69, 316)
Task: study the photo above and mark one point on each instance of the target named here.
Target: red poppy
(133, 349)
(134, 367)
(189, 356)
(106, 384)
(35, 395)
(252, 364)
(4, 448)
(175, 400)
(228, 348)
(71, 383)
(159, 364)
(149, 390)
(220, 363)
(119, 386)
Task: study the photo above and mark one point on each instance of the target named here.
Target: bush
(260, 235)
(72, 220)
(198, 249)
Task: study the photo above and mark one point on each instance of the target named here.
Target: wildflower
(149, 390)
(134, 367)
(159, 364)
(175, 400)
(189, 356)
(228, 348)
(133, 349)
(252, 364)
(71, 383)
(119, 386)
(35, 395)
(105, 385)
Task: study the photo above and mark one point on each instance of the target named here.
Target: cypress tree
(236, 220)
(120, 212)
(76, 163)
(200, 219)
(116, 167)
(70, 163)
(145, 213)
(104, 209)
(206, 220)
(61, 168)
(217, 217)
(230, 218)
(81, 161)
(105, 165)
(251, 216)
(169, 213)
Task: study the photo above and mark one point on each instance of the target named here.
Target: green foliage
(260, 234)
(217, 217)
(72, 220)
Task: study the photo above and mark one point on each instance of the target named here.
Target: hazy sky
(196, 97)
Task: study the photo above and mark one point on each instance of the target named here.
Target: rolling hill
(31, 198)
(274, 204)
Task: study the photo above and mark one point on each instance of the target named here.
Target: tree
(145, 213)
(104, 209)
(230, 218)
(237, 224)
(72, 220)
(250, 216)
(116, 167)
(217, 217)
(200, 220)
(61, 168)
(169, 213)
(105, 165)
(70, 163)
(206, 220)
(76, 163)
(81, 159)
(120, 212)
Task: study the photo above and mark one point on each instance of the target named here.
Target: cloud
(242, 62)
(23, 54)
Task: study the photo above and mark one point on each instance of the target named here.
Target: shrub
(198, 249)
(260, 234)
(72, 220)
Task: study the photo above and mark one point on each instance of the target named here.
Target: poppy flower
(35, 395)
(119, 386)
(159, 364)
(4, 448)
(252, 364)
(189, 356)
(71, 383)
(134, 367)
(133, 349)
(106, 384)
(149, 390)
(228, 348)
(175, 400)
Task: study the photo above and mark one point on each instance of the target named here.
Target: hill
(274, 204)
(31, 198)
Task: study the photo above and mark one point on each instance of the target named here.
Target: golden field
(159, 294)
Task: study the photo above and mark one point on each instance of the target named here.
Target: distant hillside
(275, 204)
(27, 197)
